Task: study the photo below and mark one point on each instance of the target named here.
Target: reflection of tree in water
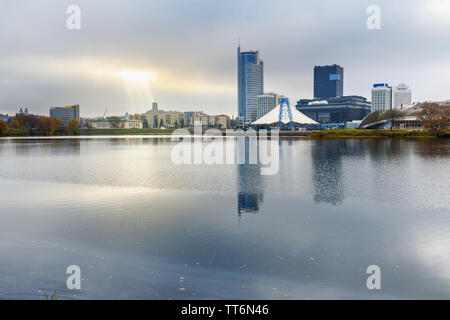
(388, 149)
(63, 146)
(327, 167)
(67, 145)
(433, 148)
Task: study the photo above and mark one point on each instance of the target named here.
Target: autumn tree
(73, 127)
(26, 122)
(60, 128)
(46, 126)
(434, 117)
(115, 122)
(3, 128)
(20, 121)
(32, 122)
(14, 124)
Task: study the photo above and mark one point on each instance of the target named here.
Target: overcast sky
(182, 53)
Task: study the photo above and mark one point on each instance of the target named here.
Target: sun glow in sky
(136, 76)
(137, 85)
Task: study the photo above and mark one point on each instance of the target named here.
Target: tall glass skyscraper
(250, 85)
(328, 81)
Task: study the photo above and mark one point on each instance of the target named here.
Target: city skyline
(188, 62)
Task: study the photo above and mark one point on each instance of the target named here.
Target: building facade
(381, 97)
(328, 81)
(107, 124)
(174, 119)
(250, 84)
(5, 117)
(188, 115)
(267, 102)
(335, 110)
(166, 119)
(402, 96)
(221, 121)
(66, 114)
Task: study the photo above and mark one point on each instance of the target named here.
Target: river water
(141, 227)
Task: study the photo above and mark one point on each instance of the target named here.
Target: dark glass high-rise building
(335, 110)
(328, 81)
(250, 84)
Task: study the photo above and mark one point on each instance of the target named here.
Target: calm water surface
(141, 227)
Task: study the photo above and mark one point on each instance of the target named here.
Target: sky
(182, 53)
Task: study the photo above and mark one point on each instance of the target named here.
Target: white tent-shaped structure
(284, 114)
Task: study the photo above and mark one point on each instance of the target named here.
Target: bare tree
(115, 122)
(435, 118)
(393, 114)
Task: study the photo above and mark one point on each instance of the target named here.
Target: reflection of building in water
(327, 167)
(250, 193)
(248, 203)
(327, 172)
(250, 184)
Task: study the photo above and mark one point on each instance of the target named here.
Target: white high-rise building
(381, 97)
(402, 96)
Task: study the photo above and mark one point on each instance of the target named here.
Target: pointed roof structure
(284, 114)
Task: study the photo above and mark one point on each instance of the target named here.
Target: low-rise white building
(115, 124)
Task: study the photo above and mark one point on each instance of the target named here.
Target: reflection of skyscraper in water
(327, 171)
(250, 194)
(250, 184)
(327, 167)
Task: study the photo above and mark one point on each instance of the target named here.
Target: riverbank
(375, 133)
(91, 132)
(318, 134)
(109, 132)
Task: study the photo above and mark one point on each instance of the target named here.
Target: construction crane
(105, 113)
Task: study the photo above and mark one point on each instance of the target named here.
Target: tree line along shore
(317, 134)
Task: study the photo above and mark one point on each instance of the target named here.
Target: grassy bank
(107, 132)
(26, 133)
(90, 132)
(320, 134)
(16, 133)
(367, 133)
